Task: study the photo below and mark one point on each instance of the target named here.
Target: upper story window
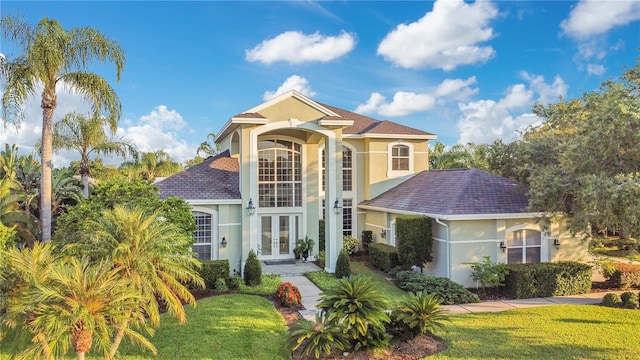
(347, 169)
(400, 158)
(279, 173)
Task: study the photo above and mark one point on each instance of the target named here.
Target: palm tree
(61, 303)
(208, 148)
(144, 247)
(8, 161)
(66, 191)
(12, 216)
(150, 165)
(87, 136)
(53, 56)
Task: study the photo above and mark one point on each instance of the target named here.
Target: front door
(278, 234)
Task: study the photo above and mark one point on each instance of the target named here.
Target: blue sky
(466, 71)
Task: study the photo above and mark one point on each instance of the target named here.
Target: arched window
(524, 246)
(400, 156)
(279, 174)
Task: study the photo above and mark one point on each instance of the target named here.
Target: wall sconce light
(556, 243)
(251, 209)
(224, 241)
(383, 233)
(503, 246)
(337, 207)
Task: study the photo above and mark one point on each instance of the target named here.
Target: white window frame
(543, 242)
(396, 173)
(349, 195)
(214, 231)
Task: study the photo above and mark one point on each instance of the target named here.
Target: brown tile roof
(455, 192)
(215, 178)
(366, 125)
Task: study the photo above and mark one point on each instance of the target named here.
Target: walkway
(294, 273)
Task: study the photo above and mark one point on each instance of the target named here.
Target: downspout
(448, 247)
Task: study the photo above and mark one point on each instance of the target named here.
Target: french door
(278, 234)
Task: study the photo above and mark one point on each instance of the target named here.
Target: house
(291, 161)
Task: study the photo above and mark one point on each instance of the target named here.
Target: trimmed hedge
(447, 291)
(212, 270)
(383, 256)
(343, 265)
(625, 276)
(525, 281)
(415, 240)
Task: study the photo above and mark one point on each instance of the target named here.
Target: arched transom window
(279, 174)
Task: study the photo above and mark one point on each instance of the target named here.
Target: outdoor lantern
(251, 209)
(224, 241)
(336, 207)
(556, 243)
(383, 233)
(503, 246)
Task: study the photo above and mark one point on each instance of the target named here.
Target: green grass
(548, 332)
(268, 286)
(230, 327)
(391, 292)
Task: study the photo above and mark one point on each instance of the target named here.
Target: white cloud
(596, 69)
(593, 17)
(295, 47)
(446, 37)
(484, 121)
(293, 82)
(158, 131)
(405, 103)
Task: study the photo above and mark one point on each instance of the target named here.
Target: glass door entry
(278, 234)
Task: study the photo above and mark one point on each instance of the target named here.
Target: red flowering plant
(288, 294)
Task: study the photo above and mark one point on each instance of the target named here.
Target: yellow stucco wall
(291, 108)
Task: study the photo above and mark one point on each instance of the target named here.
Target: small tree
(488, 273)
(343, 265)
(252, 270)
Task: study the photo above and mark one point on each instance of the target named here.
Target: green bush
(415, 240)
(488, 273)
(447, 291)
(221, 285)
(233, 282)
(321, 241)
(548, 279)
(612, 300)
(420, 313)
(317, 338)
(629, 300)
(321, 258)
(252, 270)
(625, 276)
(356, 305)
(383, 256)
(343, 265)
(212, 270)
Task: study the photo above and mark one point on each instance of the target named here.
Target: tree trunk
(80, 355)
(118, 339)
(84, 175)
(48, 105)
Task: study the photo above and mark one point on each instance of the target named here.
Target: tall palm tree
(61, 303)
(144, 247)
(52, 56)
(150, 165)
(87, 136)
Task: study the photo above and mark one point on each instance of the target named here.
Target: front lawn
(548, 332)
(231, 326)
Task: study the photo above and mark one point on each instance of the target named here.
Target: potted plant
(304, 247)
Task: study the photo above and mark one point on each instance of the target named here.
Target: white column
(333, 191)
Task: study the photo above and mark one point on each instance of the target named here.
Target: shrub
(359, 308)
(288, 294)
(267, 287)
(212, 270)
(548, 279)
(612, 300)
(321, 259)
(625, 276)
(321, 242)
(343, 265)
(447, 291)
(233, 283)
(415, 240)
(629, 300)
(317, 338)
(420, 313)
(221, 285)
(383, 256)
(350, 244)
(252, 270)
(488, 273)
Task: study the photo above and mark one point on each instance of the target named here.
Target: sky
(465, 71)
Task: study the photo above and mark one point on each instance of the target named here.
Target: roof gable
(455, 192)
(216, 178)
